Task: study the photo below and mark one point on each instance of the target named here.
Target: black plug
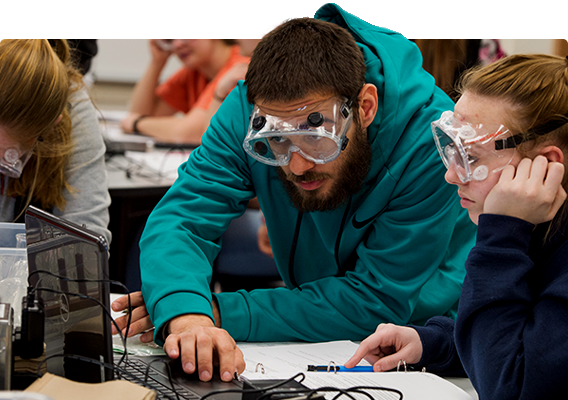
(29, 338)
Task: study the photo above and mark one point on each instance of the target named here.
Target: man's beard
(350, 176)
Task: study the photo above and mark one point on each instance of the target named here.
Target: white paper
(284, 361)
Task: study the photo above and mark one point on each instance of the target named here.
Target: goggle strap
(543, 129)
(509, 143)
(350, 101)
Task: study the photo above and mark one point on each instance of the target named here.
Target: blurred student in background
(192, 90)
(251, 23)
(51, 147)
(451, 40)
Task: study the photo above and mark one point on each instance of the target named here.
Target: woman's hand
(159, 54)
(533, 191)
(230, 80)
(140, 320)
(387, 346)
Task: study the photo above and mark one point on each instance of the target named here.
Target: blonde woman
(506, 147)
(51, 148)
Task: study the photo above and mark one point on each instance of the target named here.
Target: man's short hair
(305, 56)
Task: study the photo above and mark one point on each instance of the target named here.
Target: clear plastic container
(13, 267)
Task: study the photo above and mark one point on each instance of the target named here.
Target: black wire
(75, 357)
(133, 168)
(244, 391)
(64, 278)
(169, 374)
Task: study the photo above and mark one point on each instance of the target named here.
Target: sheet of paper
(284, 361)
(161, 162)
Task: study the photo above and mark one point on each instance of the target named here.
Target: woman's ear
(58, 120)
(368, 104)
(552, 153)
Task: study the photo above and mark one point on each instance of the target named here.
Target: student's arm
(430, 346)
(144, 100)
(181, 241)
(172, 129)
(193, 124)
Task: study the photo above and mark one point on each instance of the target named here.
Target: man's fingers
(204, 345)
(226, 351)
(139, 322)
(171, 346)
(120, 304)
(239, 361)
(147, 337)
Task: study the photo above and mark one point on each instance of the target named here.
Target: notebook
(78, 326)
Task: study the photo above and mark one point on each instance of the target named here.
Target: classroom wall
(127, 27)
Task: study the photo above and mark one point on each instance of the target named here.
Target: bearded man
(331, 132)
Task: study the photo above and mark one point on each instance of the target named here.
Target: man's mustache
(307, 177)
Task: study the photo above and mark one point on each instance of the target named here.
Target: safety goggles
(13, 160)
(181, 28)
(473, 150)
(317, 132)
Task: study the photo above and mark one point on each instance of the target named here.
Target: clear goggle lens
(13, 161)
(181, 28)
(318, 134)
(473, 151)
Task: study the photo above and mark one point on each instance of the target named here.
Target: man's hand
(201, 344)
(532, 192)
(387, 346)
(140, 320)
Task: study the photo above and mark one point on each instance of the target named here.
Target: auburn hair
(37, 78)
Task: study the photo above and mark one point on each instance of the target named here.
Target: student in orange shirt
(193, 90)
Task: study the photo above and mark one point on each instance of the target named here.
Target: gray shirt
(86, 173)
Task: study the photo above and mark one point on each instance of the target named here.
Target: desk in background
(137, 182)
(136, 185)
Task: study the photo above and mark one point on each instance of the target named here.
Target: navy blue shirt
(511, 332)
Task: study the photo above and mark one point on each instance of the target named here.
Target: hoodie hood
(408, 97)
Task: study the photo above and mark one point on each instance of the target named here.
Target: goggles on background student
(182, 28)
(473, 150)
(13, 160)
(316, 132)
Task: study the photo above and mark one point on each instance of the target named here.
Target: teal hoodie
(394, 253)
